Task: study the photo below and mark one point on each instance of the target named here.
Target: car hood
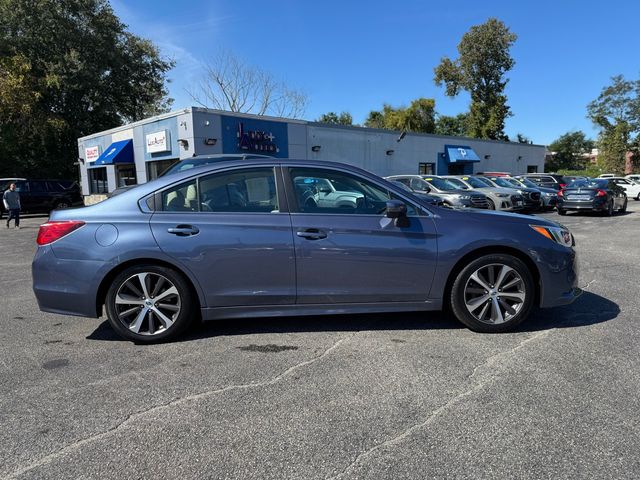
(497, 215)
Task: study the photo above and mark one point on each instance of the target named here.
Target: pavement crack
(179, 401)
(434, 414)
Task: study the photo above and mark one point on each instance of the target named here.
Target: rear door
(354, 253)
(231, 230)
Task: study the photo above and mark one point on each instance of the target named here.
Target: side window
(21, 186)
(247, 190)
(333, 192)
(181, 198)
(37, 186)
(418, 184)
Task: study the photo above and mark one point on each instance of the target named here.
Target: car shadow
(588, 309)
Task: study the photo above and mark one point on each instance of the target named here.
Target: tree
(569, 152)
(68, 69)
(230, 84)
(617, 112)
(483, 61)
(452, 126)
(344, 118)
(417, 117)
(521, 138)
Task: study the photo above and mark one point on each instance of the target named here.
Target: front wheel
(149, 303)
(492, 205)
(493, 294)
(623, 209)
(562, 212)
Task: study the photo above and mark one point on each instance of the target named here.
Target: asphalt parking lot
(387, 396)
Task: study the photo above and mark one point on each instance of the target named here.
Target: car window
(20, 186)
(419, 184)
(441, 183)
(37, 186)
(251, 190)
(181, 198)
(334, 192)
(458, 183)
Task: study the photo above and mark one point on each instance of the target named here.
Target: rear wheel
(623, 209)
(493, 294)
(609, 211)
(149, 303)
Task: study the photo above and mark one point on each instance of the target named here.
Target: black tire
(609, 211)
(147, 333)
(623, 209)
(562, 212)
(492, 205)
(463, 284)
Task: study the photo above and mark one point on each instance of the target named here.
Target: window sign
(158, 142)
(91, 154)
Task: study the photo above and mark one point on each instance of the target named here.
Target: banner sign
(158, 142)
(91, 154)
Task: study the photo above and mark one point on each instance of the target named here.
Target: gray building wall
(378, 151)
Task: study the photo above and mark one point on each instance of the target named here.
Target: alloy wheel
(147, 303)
(494, 293)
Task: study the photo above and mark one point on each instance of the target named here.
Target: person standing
(11, 200)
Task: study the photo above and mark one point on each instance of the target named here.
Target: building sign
(256, 141)
(249, 135)
(158, 142)
(91, 154)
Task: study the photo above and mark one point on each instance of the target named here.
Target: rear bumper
(598, 204)
(62, 286)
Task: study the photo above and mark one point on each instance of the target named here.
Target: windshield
(440, 183)
(590, 183)
(458, 183)
(502, 182)
(514, 182)
(483, 182)
(528, 183)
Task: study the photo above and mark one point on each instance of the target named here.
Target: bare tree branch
(230, 84)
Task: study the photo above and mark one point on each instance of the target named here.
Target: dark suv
(42, 196)
(547, 180)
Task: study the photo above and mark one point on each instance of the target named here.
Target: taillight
(561, 193)
(51, 231)
(601, 193)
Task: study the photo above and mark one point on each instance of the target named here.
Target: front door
(348, 251)
(227, 229)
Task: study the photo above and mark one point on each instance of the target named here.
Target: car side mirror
(398, 211)
(427, 189)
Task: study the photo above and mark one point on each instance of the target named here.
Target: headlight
(502, 195)
(557, 234)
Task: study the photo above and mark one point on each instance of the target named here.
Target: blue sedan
(270, 237)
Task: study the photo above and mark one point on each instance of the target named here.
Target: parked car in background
(571, 178)
(548, 196)
(547, 180)
(430, 199)
(42, 196)
(635, 177)
(440, 187)
(532, 196)
(631, 188)
(597, 195)
(607, 175)
(505, 199)
(495, 174)
(155, 260)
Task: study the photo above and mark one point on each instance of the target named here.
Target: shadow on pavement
(588, 309)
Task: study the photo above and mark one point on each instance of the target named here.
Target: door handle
(311, 234)
(184, 230)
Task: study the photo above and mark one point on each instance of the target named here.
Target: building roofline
(292, 121)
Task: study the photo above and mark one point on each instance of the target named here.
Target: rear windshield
(590, 183)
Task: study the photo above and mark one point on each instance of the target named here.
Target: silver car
(440, 187)
(505, 199)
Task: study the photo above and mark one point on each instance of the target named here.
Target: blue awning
(118, 152)
(458, 153)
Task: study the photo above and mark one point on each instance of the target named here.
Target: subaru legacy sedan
(241, 239)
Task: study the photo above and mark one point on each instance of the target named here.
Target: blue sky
(357, 55)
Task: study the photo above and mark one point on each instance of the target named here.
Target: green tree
(453, 126)
(75, 70)
(344, 118)
(484, 59)
(617, 112)
(521, 138)
(417, 117)
(569, 152)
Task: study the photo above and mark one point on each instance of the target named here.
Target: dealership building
(140, 151)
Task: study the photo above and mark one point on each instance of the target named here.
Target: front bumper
(558, 267)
